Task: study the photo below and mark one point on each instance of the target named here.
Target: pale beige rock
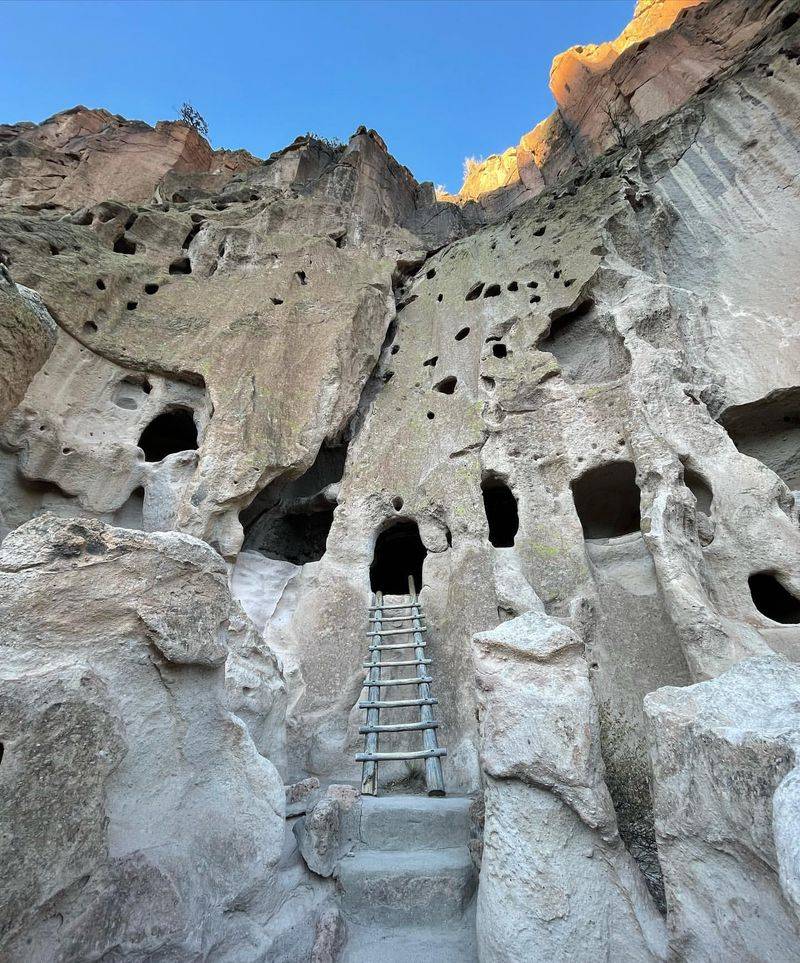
(123, 769)
(556, 882)
(725, 781)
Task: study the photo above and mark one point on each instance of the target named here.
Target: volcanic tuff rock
(580, 421)
(604, 92)
(122, 760)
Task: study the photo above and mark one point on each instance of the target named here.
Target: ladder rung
(398, 645)
(395, 618)
(386, 608)
(421, 628)
(398, 703)
(388, 682)
(387, 756)
(384, 665)
(400, 727)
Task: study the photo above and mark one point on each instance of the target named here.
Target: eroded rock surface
(727, 799)
(577, 424)
(124, 771)
(556, 881)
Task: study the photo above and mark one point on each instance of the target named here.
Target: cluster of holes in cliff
(171, 431)
(607, 500)
(399, 554)
(502, 513)
(773, 599)
(290, 519)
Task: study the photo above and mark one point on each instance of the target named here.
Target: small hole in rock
(447, 385)
(499, 350)
(513, 286)
(301, 277)
(431, 416)
(492, 291)
(132, 305)
(397, 503)
(431, 274)
(123, 246)
(101, 284)
(150, 288)
(395, 348)
(462, 334)
(474, 292)
(431, 362)
(90, 327)
(181, 266)
(169, 432)
(440, 298)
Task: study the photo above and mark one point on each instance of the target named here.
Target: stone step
(408, 823)
(450, 943)
(406, 889)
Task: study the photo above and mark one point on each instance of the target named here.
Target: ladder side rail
(369, 769)
(434, 778)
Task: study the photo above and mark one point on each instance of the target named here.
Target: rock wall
(582, 414)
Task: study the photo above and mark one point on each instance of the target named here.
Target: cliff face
(604, 92)
(580, 421)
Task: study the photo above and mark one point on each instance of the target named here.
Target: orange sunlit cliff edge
(605, 91)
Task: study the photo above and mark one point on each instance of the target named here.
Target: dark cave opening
(607, 500)
(169, 432)
(773, 600)
(501, 510)
(290, 519)
(399, 552)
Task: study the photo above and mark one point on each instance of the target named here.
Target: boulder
(726, 788)
(136, 811)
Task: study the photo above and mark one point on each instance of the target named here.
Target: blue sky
(440, 81)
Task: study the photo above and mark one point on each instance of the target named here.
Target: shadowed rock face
(582, 412)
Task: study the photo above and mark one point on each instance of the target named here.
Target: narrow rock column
(556, 882)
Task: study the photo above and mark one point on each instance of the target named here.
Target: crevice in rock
(290, 518)
(502, 514)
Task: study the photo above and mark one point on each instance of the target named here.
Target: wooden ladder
(376, 682)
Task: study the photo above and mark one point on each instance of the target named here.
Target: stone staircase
(408, 886)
